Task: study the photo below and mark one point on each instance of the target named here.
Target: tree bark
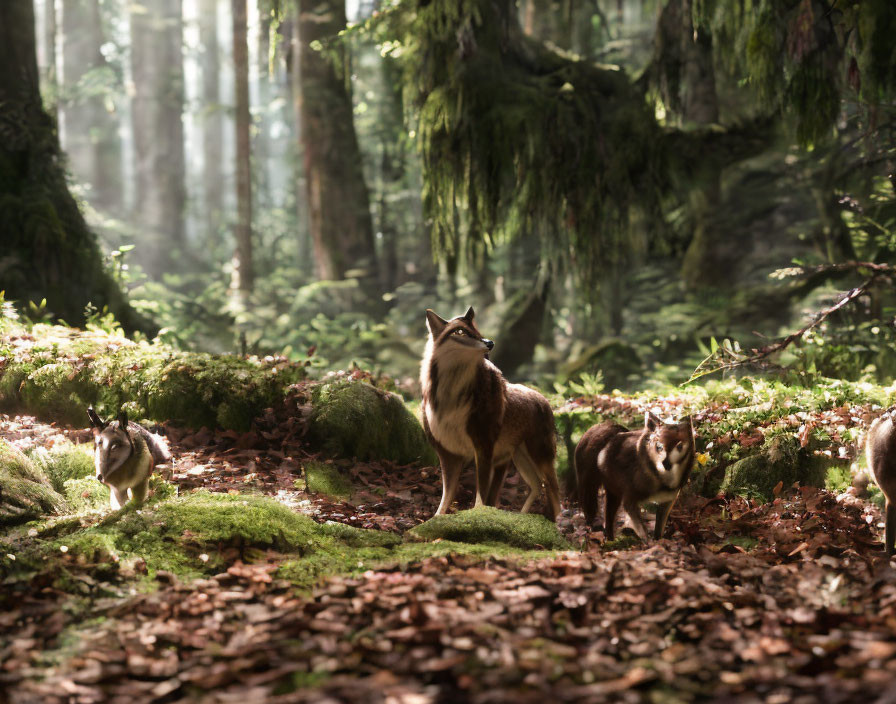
(338, 200)
(48, 252)
(242, 259)
(157, 67)
(50, 30)
(88, 128)
(213, 123)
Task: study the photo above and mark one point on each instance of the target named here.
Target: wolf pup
(635, 466)
(880, 448)
(124, 456)
(470, 412)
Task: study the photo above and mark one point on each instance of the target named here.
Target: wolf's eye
(659, 447)
(679, 446)
(460, 331)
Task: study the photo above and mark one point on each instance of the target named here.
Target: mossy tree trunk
(48, 250)
(157, 67)
(338, 199)
(687, 81)
(88, 128)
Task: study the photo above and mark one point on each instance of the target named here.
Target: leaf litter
(788, 601)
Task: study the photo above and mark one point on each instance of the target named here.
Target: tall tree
(50, 30)
(48, 252)
(242, 260)
(157, 69)
(88, 124)
(338, 200)
(213, 123)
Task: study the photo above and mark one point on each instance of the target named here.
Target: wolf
(880, 449)
(471, 413)
(124, 456)
(651, 464)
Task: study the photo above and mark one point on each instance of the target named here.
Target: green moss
(357, 559)
(323, 478)
(56, 372)
(64, 461)
(355, 419)
(781, 460)
(491, 525)
(86, 494)
(25, 491)
(207, 519)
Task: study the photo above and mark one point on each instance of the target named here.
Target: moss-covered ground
(335, 480)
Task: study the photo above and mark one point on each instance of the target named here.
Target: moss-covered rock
(325, 478)
(491, 525)
(780, 460)
(355, 419)
(56, 372)
(25, 491)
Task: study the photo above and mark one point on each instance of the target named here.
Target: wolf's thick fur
(651, 464)
(470, 412)
(880, 448)
(124, 456)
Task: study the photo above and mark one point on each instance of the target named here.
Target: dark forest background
(615, 185)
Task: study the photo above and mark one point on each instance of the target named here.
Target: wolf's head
(456, 339)
(112, 444)
(671, 444)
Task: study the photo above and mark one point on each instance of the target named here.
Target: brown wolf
(124, 456)
(880, 448)
(470, 412)
(635, 466)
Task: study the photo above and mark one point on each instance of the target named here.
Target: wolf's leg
(611, 508)
(551, 489)
(662, 515)
(138, 492)
(483, 473)
(528, 470)
(500, 471)
(451, 467)
(890, 533)
(634, 513)
(118, 497)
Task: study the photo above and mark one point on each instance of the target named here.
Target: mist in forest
(278, 178)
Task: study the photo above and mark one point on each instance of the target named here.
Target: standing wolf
(470, 412)
(880, 447)
(652, 464)
(124, 457)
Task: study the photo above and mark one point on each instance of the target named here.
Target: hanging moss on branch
(515, 136)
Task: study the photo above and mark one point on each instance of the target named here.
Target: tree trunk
(338, 201)
(157, 67)
(88, 127)
(707, 260)
(48, 252)
(213, 123)
(50, 31)
(242, 259)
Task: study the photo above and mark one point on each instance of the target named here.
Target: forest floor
(788, 601)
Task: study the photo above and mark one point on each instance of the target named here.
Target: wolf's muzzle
(489, 344)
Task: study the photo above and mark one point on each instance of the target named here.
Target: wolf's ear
(122, 420)
(651, 422)
(95, 420)
(690, 421)
(468, 316)
(435, 323)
